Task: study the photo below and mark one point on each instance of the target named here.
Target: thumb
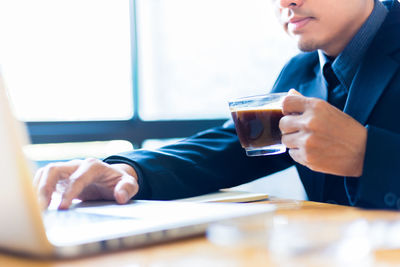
(293, 92)
(125, 189)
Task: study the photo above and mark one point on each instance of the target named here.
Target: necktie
(330, 75)
(337, 94)
(334, 190)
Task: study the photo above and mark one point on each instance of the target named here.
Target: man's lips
(296, 24)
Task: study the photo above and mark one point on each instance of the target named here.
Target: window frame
(134, 130)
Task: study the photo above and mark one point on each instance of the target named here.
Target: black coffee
(258, 128)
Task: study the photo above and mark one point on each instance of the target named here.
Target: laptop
(92, 227)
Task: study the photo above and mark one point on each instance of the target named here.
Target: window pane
(68, 151)
(196, 54)
(67, 59)
(157, 143)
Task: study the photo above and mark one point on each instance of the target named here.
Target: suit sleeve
(379, 186)
(208, 161)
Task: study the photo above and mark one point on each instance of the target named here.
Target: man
(342, 132)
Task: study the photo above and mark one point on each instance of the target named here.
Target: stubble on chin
(306, 45)
(302, 44)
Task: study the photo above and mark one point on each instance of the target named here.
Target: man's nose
(290, 3)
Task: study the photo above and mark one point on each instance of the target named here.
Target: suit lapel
(367, 86)
(315, 87)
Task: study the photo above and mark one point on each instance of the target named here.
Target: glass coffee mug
(256, 121)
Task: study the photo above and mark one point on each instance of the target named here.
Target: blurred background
(93, 78)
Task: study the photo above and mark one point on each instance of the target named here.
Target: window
(92, 70)
(67, 60)
(196, 54)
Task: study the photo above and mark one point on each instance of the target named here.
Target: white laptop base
(108, 227)
(87, 230)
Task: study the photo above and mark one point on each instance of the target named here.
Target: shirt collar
(346, 63)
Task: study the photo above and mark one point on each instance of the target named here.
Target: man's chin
(307, 46)
(304, 48)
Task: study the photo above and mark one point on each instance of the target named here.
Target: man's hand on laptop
(89, 179)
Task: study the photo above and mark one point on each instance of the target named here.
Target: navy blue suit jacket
(214, 159)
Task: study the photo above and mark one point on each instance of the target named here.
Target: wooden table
(200, 251)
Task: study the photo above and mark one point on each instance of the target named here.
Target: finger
(292, 141)
(296, 155)
(49, 178)
(294, 104)
(43, 202)
(125, 189)
(81, 178)
(289, 124)
(294, 92)
(37, 177)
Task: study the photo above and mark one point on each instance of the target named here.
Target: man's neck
(337, 46)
